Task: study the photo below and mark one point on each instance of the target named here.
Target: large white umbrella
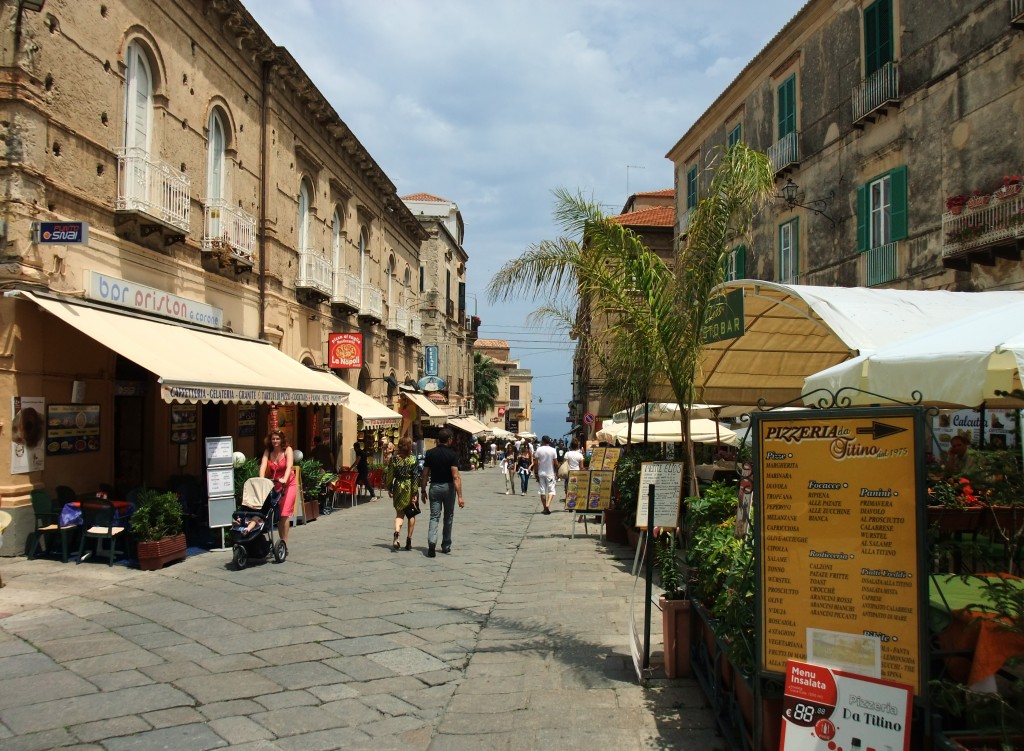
(960, 363)
(662, 431)
(669, 411)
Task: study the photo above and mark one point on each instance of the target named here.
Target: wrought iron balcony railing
(398, 318)
(415, 327)
(315, 273)
(228, 229)
(150, 187)
(879, 265)
(348, 290)
(998, 222)
(876, 91)
(372, 305)
(785, 152)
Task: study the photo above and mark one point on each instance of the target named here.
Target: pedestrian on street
(575, 459)
(494, 454)
(400, 479)
(545, 465)
(277, 464)
(503, 468)
(523, 464)
(362, 468)
(441, 477)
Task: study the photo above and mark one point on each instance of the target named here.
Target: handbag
(413, 509)
(563, 471)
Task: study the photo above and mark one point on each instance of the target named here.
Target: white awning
(469, 425)
(427, 408)
(197, 366)
(370, 411)
(701, 431)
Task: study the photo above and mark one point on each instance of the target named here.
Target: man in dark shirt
(440, 482)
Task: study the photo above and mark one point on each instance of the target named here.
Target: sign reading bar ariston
(839, 540)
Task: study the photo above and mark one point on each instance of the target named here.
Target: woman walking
(400, 480)
(277, 465)
(523, 464)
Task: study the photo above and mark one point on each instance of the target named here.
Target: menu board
(246, 421)
(183, 423)
(576, 489)
(72, 428)
(611, 459)
(667, 478)
(599, 495)
(839, 553)
(597, 458)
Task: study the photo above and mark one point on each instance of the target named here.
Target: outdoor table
(71, 513)
(988, 640)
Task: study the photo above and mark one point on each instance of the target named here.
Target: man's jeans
(442, 497)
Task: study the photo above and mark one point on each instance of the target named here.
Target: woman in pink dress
(277, 465)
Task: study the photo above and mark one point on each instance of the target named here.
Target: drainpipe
(264, 98)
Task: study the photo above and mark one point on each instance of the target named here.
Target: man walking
(440, 482)
(545, 465)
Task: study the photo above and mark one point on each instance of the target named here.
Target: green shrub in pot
(158, 515)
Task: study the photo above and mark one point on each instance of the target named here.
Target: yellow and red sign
(345, 350)
(839, 539)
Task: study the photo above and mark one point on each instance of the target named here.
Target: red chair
(376, 479)
(345, 484)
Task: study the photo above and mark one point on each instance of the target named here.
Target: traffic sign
(589, 418)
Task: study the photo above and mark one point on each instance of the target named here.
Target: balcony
(316, 273)
(450, 308)
(371, 304)
(516, 404)
(684, 222)
(415, 327)
(229, 232)
(986, 231)
(785, 152)
(879, 265)
(348, 290)
(154, 190)
(398, 319)
(1017, 12)
(876, 93)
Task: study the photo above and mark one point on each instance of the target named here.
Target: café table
(979, 641)
(71, 513)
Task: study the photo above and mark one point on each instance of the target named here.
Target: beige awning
(469, 425)
(194, 365)
(373, 413)
(427, 408)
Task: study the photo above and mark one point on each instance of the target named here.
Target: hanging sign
(430, 360)
(667, 478)
(345, 350)
(60, 233)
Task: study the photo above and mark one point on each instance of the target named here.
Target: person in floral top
(401, 479)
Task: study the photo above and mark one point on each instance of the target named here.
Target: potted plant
(314, 484)
(955, 203)
(978, 198)
(675, 607)
(157, 526)
(1009, 187)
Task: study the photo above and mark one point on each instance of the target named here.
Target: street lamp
(791, 192)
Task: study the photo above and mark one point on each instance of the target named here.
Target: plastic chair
(48, 524)
(344, 484)
(98, 524)
(65, 494)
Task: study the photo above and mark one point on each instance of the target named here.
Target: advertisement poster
(345, 350)
(246, 421)
(599, 496)
(72, 428)
(286, 422)
(667, 478)
(184, 423)
(825, 709)
(836, 513)
(1000, 429)
(28, 434)
(576, 490)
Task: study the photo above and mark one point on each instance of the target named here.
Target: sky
(494, 105)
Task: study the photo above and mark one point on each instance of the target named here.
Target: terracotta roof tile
(667, 193)
(491, 344)
(656, 216)
(425, 197)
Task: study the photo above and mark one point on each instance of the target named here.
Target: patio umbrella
(963, 363)
(662, 431)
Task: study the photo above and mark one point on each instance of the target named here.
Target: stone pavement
(516, 640)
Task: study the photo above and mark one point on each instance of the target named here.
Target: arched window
(406, 283)
(138, 98)
(304, 207)
(336, 240)
(364, 256)
(215, 157)
(390, 281)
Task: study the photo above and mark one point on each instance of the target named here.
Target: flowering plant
(1009, 180)
(956, 201)
(955, 492)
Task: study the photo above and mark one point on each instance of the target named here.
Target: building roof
(667, 193)
(656, 216)
(490, 344)
(425, 197)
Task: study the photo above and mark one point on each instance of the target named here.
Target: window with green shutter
(789, 252)
(735, 136)
(737, 264)
(691, 188)
(882, 210)
(878, 36)
(787, 106)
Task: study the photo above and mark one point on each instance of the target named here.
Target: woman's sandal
(397, 544)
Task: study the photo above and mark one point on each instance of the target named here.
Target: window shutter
(741, 262)
(691, 188)
(898, 205)
(796, 250)
(863, 209)
(787, 106)
(878, 35)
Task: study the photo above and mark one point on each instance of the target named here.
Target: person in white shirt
(574, 457)
(545, 465)
(494, 454)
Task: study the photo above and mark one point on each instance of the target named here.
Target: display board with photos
(184, 423)
(72, 428)
(246, 421)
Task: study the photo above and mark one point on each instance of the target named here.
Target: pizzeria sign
(345, 350)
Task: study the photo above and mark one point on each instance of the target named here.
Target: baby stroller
(252, 525)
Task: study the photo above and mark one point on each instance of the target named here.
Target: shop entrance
(129, 419)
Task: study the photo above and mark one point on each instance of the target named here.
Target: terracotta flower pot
(676, 627)
(156, 555)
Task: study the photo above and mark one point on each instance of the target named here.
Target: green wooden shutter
(863, 211)
(898, 203)
(796, 250)
(741, 262)
(734, 136)
(787, 106)
(878, 36)
(691, 188)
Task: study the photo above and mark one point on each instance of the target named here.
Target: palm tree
(485, 383)
(644, 317)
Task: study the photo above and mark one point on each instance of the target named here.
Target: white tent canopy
(663, 431)
(669, 411)
(791, 332)
(961, 363)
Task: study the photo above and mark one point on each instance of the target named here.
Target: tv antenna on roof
(628, 168)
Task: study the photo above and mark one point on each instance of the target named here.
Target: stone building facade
(212, 172)
(515, 388)
(875, 113)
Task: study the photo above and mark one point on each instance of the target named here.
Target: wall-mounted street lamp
(790, 194)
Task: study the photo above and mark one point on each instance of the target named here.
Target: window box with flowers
(955, 203)
(972, 229)
(978, 199)
(1009, 187)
